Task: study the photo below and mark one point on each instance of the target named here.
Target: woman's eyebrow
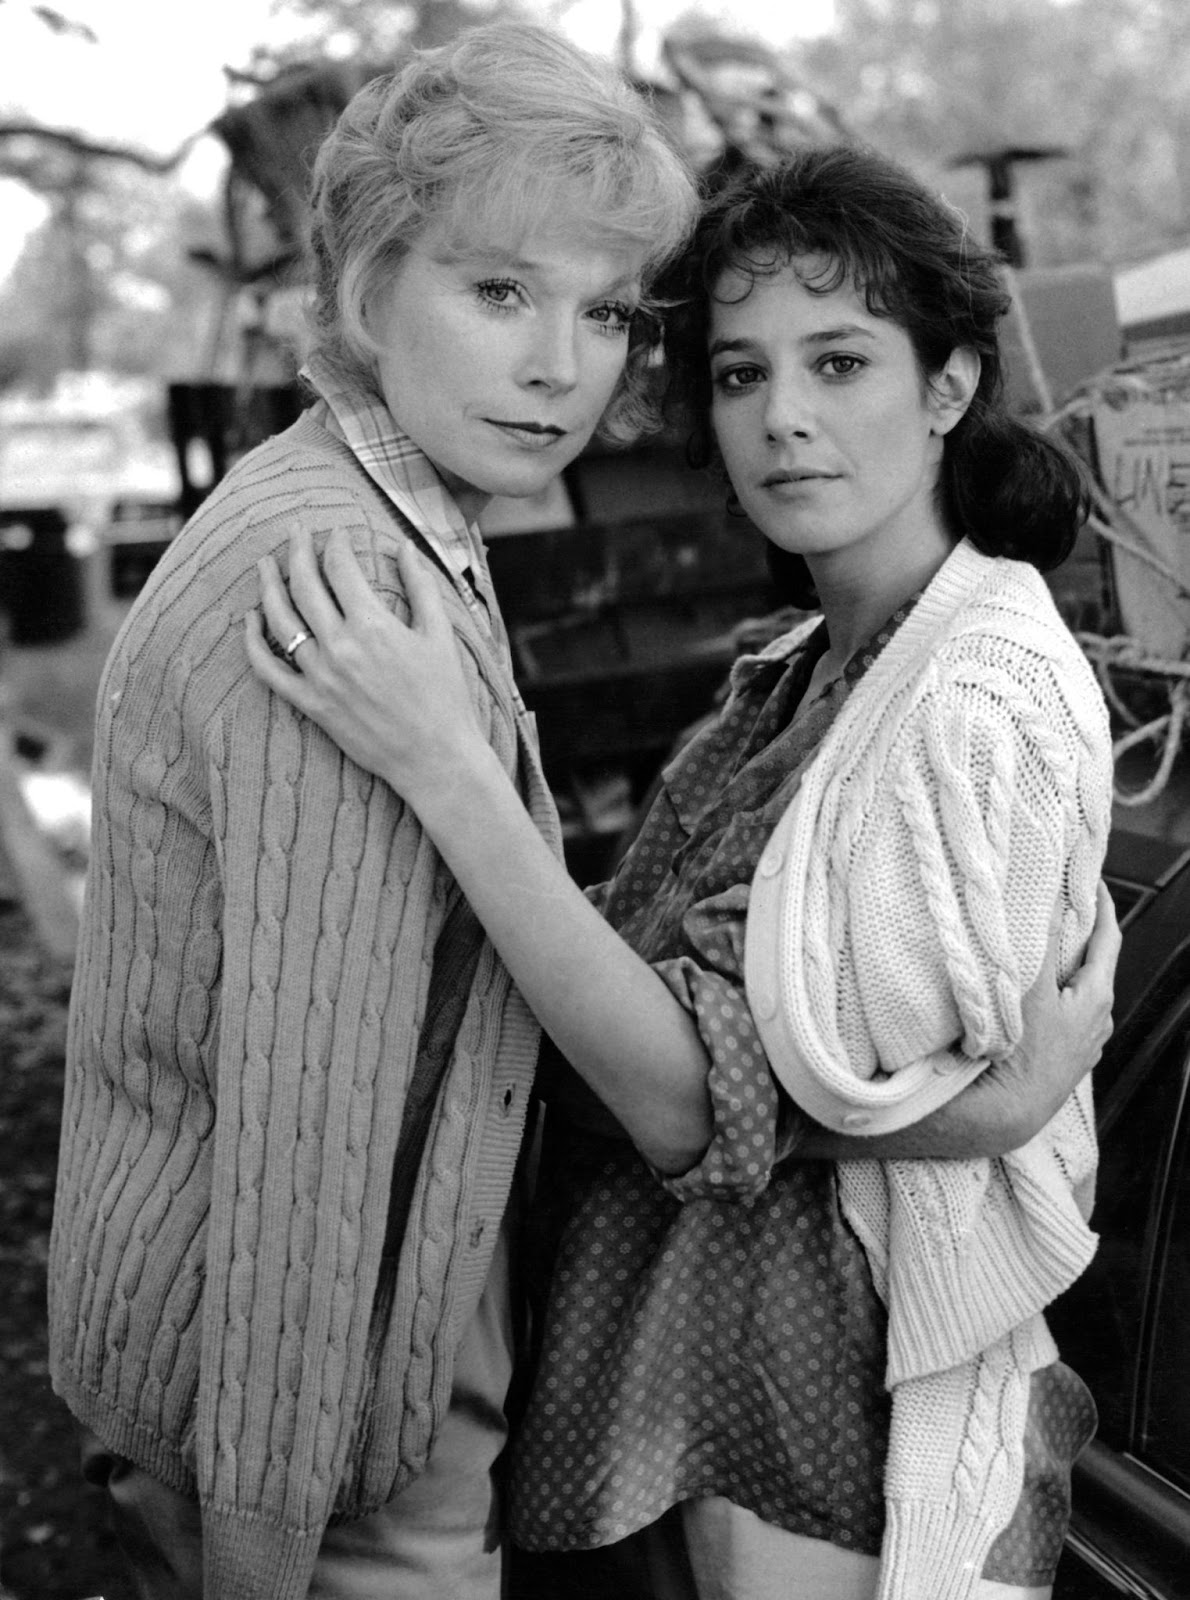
(720, 347)
(845, 330)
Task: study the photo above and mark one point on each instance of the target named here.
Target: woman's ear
(952, 389)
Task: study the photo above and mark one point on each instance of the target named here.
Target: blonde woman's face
(499, 364)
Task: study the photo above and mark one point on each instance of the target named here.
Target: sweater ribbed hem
(246, 1558)
(933, 1551)
(943, 1318)
(123, 1435)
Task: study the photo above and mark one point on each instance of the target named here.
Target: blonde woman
(298, 1073)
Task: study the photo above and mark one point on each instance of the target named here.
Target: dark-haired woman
(725, 1318)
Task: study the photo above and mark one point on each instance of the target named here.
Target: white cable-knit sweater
(903, 904)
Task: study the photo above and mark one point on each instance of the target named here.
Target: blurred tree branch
(78, 144)
(57, 22)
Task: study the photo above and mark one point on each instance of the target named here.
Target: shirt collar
(865, 657)
(801, 646)
(398, 467)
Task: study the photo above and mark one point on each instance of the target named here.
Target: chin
(808, 541)
(518, 486)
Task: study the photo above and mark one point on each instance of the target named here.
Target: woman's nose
(551, 360)
(789, 413)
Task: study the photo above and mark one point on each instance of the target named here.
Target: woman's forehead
(763, 281)
(540, 249)
(528, 216)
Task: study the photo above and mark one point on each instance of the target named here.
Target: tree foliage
(106, 282)
(374, 30)
(1106, 80)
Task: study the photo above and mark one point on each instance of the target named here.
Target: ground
(53, 1545)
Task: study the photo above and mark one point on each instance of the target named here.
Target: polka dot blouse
(719, 1333)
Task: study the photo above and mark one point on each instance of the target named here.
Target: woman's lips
(531, 435)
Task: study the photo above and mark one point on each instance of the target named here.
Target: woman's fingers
(284, 622)
(310, 593)
(1103, 947)
(345, 588)
(281, 679)
(1093, 985)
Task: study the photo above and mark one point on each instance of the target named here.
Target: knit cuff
(934, 1549)
(251, 1559)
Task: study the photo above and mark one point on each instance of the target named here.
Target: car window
(1099, 1323)
(1165, 1440)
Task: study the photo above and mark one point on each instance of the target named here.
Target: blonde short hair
(489, 136)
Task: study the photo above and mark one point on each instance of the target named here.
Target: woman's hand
(392, 695)
(1064, 1032)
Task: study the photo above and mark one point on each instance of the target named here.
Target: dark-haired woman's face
(829, 431)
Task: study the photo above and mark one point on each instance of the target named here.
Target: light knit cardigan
(903, 903)
(297, 1073)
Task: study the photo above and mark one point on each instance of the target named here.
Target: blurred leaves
(1108, 80)
(105, 282)
(110, 279)
(374, 30)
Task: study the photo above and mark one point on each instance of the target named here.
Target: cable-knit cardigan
(961, 797)
(297, 1072)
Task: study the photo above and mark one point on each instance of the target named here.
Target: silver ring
(299, 638)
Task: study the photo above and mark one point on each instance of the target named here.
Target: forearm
(608, 1012)
(952, 1133)
(1000, 1111)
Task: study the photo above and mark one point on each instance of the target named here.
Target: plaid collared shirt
(403, 472)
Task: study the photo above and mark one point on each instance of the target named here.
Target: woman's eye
(732, 380)
(614, 315)
(841, 366)
(498, 292)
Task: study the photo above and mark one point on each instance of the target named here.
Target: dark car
(1125, 1326)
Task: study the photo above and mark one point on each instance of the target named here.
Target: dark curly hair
(872, 224)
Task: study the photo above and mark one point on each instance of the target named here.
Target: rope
(1124, 653)
(1121, 651)
(1117, 527)
(1114, 525)
(1171, 728)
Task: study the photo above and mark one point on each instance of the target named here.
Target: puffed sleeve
(755, 1126)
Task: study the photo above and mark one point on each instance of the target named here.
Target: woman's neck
(859, 594)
